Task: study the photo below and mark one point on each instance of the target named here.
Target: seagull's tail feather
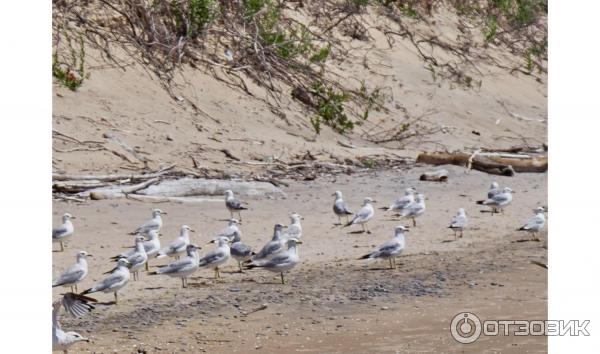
(153, 273)
(365, 256)
(480, 202)
(385, 208)
(88, 291)
(251, 265)
(348, 223)
(116, 258)
(522, 228)
(161, 254)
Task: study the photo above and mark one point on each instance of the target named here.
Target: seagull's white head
(191, 248)
(368, 200)
(410, 190)
(295, 217)
(337, 194)
(494, 185)
(221, 241)
(139, 239)
(400, 229)
(461, 211)
(157, 212)
(229, 193)
(539, 210)
(74, 337)
(186, 228)
(67, 216)
(152, 234)
(232, 222)
(122, 262)
(82, 254)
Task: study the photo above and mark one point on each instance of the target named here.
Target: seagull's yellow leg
(391, 265)
(282, 278)
(62, 247)
(147, 267)
(116, 298)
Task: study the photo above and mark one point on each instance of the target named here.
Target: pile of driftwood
(504, 163)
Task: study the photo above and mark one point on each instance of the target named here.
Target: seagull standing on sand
(153, 224)
(75, 305)
(401, 203)
(239, 251)
(182, 268)
(138, 258)
(283, 261)
(114, 282)
(415, 209)
(391, 249)
(272, 247)
(216, 257)
(179, 245)
(340, 208)
(233, 204)
(230, 230)
(459, 222)
(494, 189)
(295, 229)
(64, 231)
(74, 274)
(364, 215)
(535, 224)
(151, 246)
(499, 200)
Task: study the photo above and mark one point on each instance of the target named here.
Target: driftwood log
(489, 163)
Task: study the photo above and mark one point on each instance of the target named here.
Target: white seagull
(153, 224)
(499, 200)
(391, 249)
(233, 204)
(535, 224)
(74, 274)
(404, 201)
(295, 229)
(364, 215)
(273, 246)
(182, 268)
(179, 245)
(459, 222)
(415, 209)
(340, 208)
(230, 230)
(151, 246)
(64, 231)
(240, 251)
(282, 262)
(216, 257)
(138, 258)
(114, 282)
(75, 305)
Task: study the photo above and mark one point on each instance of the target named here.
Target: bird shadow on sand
(154, 288)
(448, 241)
(524, 240)
(358, 232)
(108, 303)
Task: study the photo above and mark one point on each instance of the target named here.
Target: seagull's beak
(373, 201)
(85, 339)
(90, 255)
(72, 217)
(211, 241)
(192, 230)
(163, 213)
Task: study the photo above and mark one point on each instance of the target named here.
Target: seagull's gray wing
(293, 231)
(276, 261)
(176, 266)
(59, 231)
(534, 223)
(108, 282)
(387, 249)
(211, 257)
(458, 221)
(340, 207)
(70, 276)
(268, 249)
(234, 204)
(239, 249)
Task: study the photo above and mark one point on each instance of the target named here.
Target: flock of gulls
(279, 255)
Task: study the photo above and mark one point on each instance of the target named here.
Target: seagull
(415, 209)
(179, 245)
(218, 256)
(391, 249)
(499, 200)
(459, 222)
(233, 204)
(182, 268)
(364, 215)
(230, 229)
(64, 231)
(138, 258)
(272, 247)
(403, 202)
(114, 282)
(239, 251)
(75, 305)
(153, 224)
(75, 273)
(340, 208)
(295, 229)
(151, 246)
(283, 261)
(535, 224)
(494, 189)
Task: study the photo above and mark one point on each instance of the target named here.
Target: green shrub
(330, 109)
(69, 68)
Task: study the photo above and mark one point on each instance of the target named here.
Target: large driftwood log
(114, 192)
(186, 187)
(489, 163)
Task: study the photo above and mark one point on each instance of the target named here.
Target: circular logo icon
(465, 327)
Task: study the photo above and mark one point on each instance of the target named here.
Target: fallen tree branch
(489, 164)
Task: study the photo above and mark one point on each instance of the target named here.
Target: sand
(332, 303)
